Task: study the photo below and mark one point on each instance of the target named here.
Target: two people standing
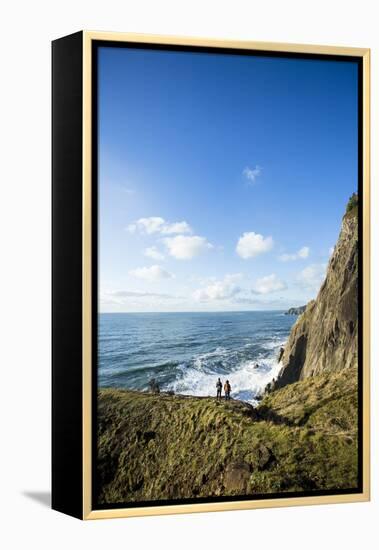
(227, 389)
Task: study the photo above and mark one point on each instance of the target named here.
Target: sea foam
(248, 379)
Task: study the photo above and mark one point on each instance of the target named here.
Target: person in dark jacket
(219, 389)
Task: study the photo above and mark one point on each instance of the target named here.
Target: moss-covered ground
(157, 446)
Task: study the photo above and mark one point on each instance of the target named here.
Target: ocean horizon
(185, 352)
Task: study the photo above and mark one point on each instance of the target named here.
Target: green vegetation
(301, 437)
(352, 205)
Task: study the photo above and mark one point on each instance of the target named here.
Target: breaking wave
(187, 352)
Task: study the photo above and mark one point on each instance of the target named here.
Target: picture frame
(75, 274)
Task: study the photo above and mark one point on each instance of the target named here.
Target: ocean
(187, 352)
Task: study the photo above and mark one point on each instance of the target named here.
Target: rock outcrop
(325, 337)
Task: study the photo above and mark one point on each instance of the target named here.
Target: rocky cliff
(325, 337)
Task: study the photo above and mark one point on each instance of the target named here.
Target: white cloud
(156, 224)
(268, 284)
(331, 250)
(301, 254)
(184, 247)
(251, 174)
(151, 274)
(153, 252)
(251, 244)
(176, 227)
(219, 290)
(312, 276)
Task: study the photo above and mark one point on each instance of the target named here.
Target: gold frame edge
(88, 513)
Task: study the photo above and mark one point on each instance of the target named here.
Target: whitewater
(187, 352)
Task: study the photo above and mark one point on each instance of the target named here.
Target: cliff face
(325, 337)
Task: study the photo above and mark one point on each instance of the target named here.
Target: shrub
(352, 203)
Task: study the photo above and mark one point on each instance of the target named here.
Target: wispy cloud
(156, 224)
(137, 294)
(176, 227)
(121, 187)
(278, 303)
(151, 274)
(251, 174)
(184, 247)
(301, 254)
(127, 300)
(154, 253)
(252, 244)
(268, 284)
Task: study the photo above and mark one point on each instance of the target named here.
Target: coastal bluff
(324, 338)
(160, 446)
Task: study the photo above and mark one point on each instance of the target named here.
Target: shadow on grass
(265, 413)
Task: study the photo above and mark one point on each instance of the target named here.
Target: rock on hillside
(325, 337)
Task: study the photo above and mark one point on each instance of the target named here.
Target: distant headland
(295, 310)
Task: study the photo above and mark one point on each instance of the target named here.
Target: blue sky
(222, 179)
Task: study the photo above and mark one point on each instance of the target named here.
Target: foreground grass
(154, 447)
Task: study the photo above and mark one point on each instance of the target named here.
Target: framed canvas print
(210, 275)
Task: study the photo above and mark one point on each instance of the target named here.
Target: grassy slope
(301, 437)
